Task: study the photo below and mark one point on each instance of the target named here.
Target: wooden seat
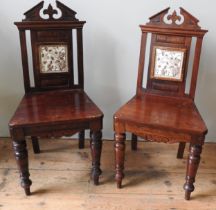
(54, 103)
(55, 107)
(163, 111)
(178, 114)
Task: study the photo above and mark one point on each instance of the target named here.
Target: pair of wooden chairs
(57, 105)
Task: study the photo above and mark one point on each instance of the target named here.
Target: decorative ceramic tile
(168, 63)
(53, 58)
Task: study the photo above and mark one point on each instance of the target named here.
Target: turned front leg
(192, 167)
(96, 147)
(119, 157)
(21, 155)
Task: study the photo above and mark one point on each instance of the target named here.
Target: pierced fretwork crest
(174, 17)
(50, 11)
(175, 20)
(66, 13)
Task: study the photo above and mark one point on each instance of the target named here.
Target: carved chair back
(170, 46)
(53, 54)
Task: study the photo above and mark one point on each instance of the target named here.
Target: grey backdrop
(111, 52)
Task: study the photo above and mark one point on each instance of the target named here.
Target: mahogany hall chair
(56, 105)
(164, 111)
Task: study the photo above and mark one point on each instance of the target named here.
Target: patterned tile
(168, 63)
(53, 58)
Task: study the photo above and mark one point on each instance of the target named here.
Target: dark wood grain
(96, 147)
(80, 57)
(181, 149)
(21, 155)
(35, 144)
(119, 157)
(134, 142)
(192, 167)
(174, 113)
(163, 111)
(82, 140)
(25, 60)
(55, 106)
